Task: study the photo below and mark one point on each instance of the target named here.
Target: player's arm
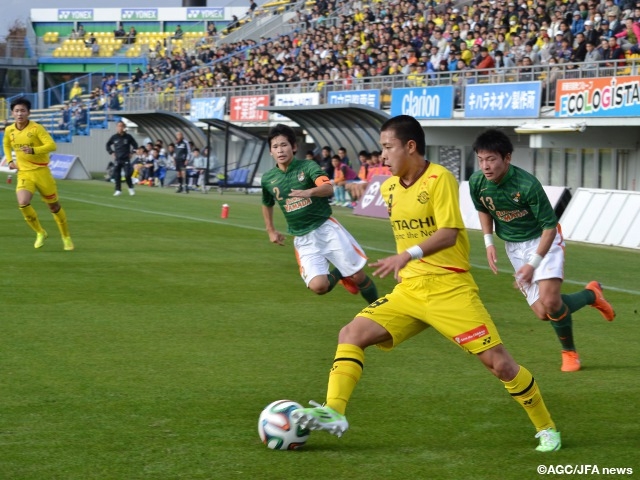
(441, 239)
(486, 223)
(109, 146)
(543, 212)
(133, 144)
(6, 145)
(47, 144)
(323, 188)
(524, 275)
(274, 235)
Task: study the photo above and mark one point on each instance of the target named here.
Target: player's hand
(300, 193)
(524, 276)
(276, 237)
(492, 258)
(26, 149)
(394, 264)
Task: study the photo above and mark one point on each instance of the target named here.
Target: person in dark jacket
(181, 157)
(121, 145)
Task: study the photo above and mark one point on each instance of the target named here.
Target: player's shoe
(570, 361)
(117, 193)
(40, 238)
(604, 307)
(132, 192)
(68, 244)
(350, 285)
(549, 440)
(321, 418)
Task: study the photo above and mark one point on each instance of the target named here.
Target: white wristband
(534, 260)
(415, 252)
(488, 239)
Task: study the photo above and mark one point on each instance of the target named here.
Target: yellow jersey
(416, 212)
(33, 135)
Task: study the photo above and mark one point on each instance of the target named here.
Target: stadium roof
(159, 124)
(352, 126)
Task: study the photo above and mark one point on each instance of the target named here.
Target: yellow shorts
(449, 303)
(40, 180)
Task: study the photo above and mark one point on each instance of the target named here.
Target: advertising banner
(370, 98)
(598, 97)
(423, 102)
(502, 100)
(212, 107)
(245, 108)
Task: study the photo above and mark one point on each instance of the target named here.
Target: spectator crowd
(345, 43)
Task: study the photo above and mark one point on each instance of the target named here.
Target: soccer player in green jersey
(514, 202)
(302, 191)
(32, 145)
(435, 288)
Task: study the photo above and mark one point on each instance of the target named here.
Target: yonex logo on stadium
(75, 14)
(205, 13)
(139, 14)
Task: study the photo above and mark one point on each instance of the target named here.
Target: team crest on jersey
(516, 197)
(301, 177)
(423, 197)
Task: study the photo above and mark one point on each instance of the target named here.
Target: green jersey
(303, 215)
(518, 204)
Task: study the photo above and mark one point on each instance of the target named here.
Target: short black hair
(21, 101)
(493, 140)
(406, 128)
(282, 130)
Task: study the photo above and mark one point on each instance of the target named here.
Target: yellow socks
(61, 219)
(31, 217)
(524, 390)
(345, 373)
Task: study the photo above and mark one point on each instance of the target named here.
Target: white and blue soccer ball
(276, 428)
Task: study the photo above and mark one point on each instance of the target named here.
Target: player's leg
(523, 388)
(544, 297)
(313, 264)
(25, 188)
(127, 176)
(117, 176)
(47, 187)
(383, 323)
(179, 176)
(344, 252)
(459, 315)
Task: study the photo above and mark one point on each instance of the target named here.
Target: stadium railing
(179, 100)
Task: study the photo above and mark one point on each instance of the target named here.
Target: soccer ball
(277, 430)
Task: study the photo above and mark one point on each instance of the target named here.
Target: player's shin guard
(345, 374)
(368, 290)
(31, 217)
(563, 325)
(61, 219)
(524, 390)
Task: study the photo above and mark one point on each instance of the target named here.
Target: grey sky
(19, 9)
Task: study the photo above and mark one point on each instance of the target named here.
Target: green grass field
(150, 350)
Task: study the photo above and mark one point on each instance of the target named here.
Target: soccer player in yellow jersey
(435, 288)
(32, 145)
